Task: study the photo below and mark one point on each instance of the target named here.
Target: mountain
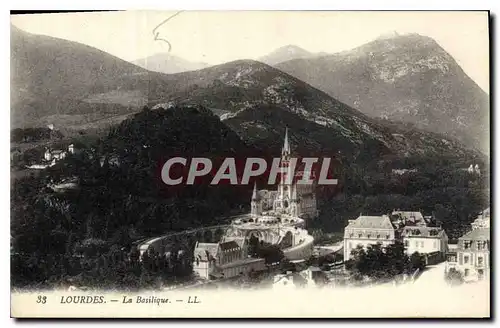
(234, 86)
(168, 64)
(64, 82)
(258, 102)
(285, 53)
(408, 78)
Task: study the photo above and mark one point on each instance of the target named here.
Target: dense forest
(86, 236)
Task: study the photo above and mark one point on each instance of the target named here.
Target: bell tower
(256, 204)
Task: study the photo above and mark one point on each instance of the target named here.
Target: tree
(417, 262)
(271, 254)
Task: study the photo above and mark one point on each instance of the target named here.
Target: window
(480, 260)
(360, 235)
(422, 244)
(378, 236)
(350, 245)
(466, 272)
(368, 236)
(407, 243)
(387, 236)
(435, 244)
(466, 259)
(467, 244)
(351, 235)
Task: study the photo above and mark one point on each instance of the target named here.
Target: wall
(423, 245)
(202, 268)
(352, 243)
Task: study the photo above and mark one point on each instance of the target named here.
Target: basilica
(291, 197)
(277, 217)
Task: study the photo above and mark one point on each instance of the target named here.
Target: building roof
(238, 240)
(377, 222)
(477, 234)
(228, 245)
(202, 251)
(263, 193)
(428, 232)
(286, 146)
(410, 216)
(255, 195)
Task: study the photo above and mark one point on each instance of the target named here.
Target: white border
(191, 5)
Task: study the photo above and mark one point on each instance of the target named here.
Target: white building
(474, 169)
(472, 256)
(368, 230)
(225, 259)
(482, 221)
(58, 154)
(410, 218)
(425, 240)
(291, 280)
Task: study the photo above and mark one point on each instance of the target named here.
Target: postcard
(250, 164)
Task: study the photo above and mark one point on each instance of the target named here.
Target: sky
(216, 37)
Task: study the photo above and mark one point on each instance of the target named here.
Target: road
(432, 276)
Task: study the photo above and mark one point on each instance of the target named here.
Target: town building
(483, 220)
(472, 255)
(368, 230)
(409, 218)
(52, 155)
(288, 280)
(425, 240)
(403, 171)
(474, 169)
(407, 227)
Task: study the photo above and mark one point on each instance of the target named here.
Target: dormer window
(378, 236)
(369, 236)
(360, 235)
(467, 244)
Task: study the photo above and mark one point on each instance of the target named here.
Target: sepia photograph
(250, 164)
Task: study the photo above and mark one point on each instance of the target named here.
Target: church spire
(286, 146)
(254, 194)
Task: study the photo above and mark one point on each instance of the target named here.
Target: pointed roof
(205, 251)
(255, 195)
(477, 234)
(423, 232)
(286, 146)
(378, 222)
(229, 245)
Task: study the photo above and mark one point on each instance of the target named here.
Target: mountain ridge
(408, 78)
(168, 64)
